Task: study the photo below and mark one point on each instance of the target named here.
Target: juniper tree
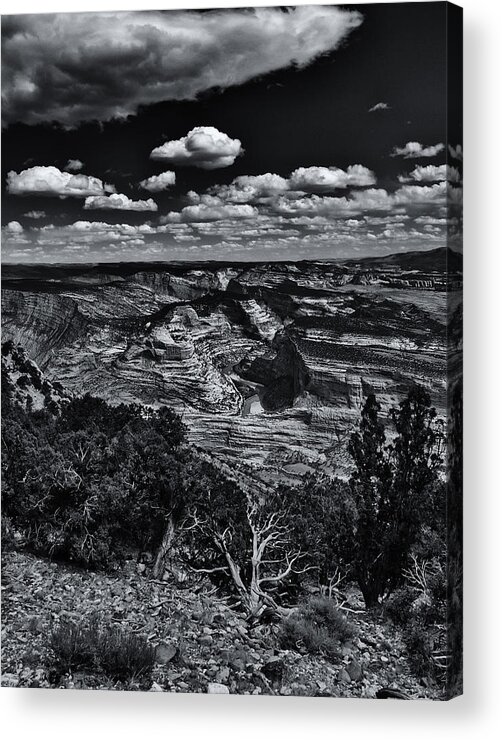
(394, 487)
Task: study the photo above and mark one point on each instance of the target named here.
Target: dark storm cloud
(83, 66)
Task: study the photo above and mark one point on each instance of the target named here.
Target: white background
(40, 714)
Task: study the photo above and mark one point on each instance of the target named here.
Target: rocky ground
(202, 645)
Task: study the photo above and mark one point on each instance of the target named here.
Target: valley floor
(199, 640)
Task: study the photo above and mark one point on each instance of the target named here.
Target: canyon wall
(268, 364)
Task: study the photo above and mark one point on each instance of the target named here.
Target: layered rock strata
(268, 364)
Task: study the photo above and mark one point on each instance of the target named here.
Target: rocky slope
(201, 644)
(268, 363)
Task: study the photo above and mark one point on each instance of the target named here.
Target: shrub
(319, 626)
(395, 489)
(8, 538)
(398, 605)
(93, 483)
(420, 609)
(419, 641)
(107, 649)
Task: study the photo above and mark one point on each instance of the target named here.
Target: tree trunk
(370, 592)
(164, 547)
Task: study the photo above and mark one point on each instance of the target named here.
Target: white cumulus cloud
(14, 227)
(244, 189)
(203, 146)
(203, 213)
(323, 179)
(51, 181)
(415, 150)
(379, 106)
(260, 188)
(118, 202)
(74, 165)
(156, 183)
(432, 173)
(456, 152)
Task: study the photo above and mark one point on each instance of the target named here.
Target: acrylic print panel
(232, 321)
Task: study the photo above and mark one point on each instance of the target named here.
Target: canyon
(267, 363)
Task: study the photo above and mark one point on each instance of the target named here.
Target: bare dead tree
(270, 562)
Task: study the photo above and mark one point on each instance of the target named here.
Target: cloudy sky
(316, 132)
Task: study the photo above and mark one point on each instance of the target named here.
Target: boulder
(164, 653)
(217, 688)
(355, 671)
(343, 676)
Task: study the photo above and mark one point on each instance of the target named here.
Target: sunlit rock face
(268, 364)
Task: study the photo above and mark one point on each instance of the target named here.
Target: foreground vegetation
(97, 486)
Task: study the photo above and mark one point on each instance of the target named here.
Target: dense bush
(426, 642)
(398, 605)
(318, 626)
(8, 538)
(323, 516)
(96, 647)
(419, 608)
(396, 490)
(95, 482)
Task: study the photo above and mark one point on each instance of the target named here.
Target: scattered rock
(164, 653)
(248, 660)
(347, 650)
(9, 680)
(355, 671)
(343, 676)
(237, 664)
(223, 675)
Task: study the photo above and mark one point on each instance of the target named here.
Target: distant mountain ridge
(442, 259)
(435, 260)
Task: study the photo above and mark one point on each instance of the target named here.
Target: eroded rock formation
(268, 363)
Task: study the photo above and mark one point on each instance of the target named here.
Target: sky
(316, 132)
